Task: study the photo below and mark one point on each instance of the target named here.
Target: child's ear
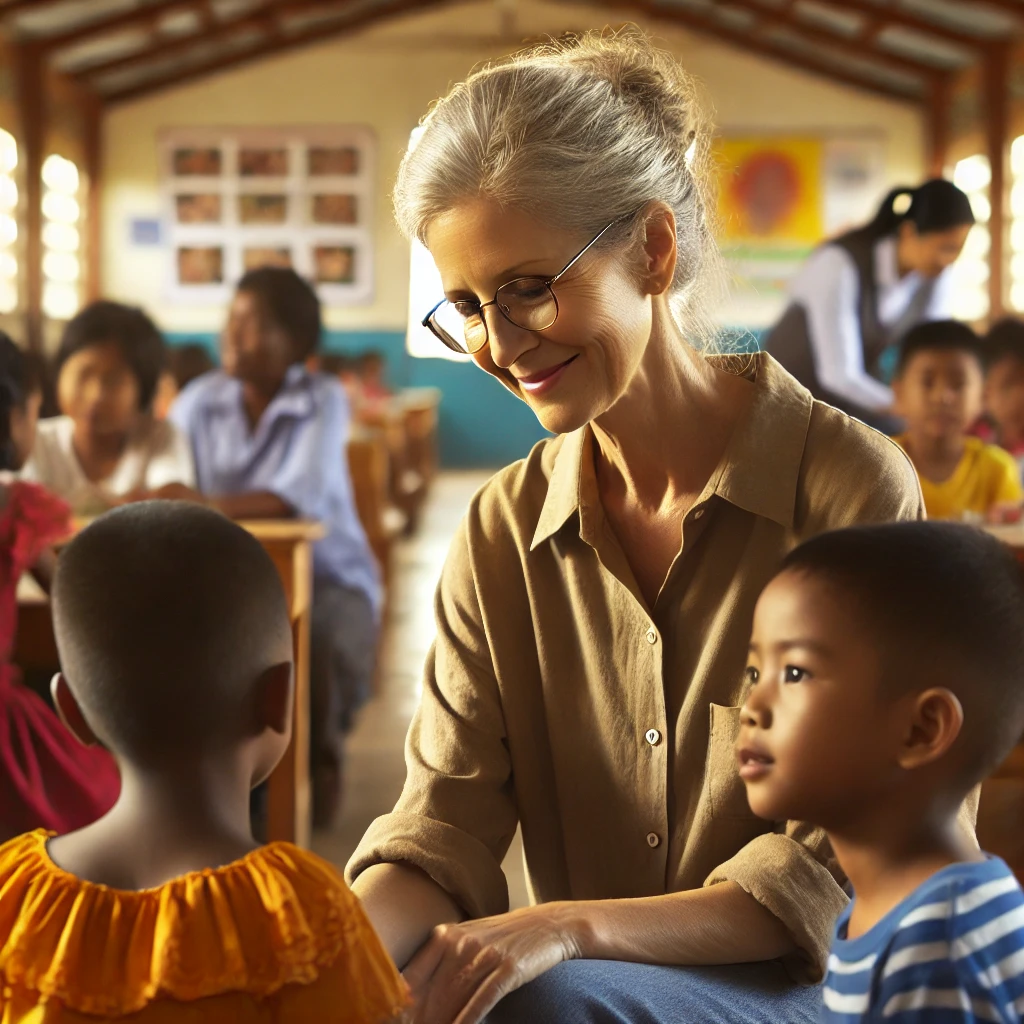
(275, 702)
(69, 711)
(936, 720)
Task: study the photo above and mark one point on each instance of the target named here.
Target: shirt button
(698, 513)
(653, 737)
(652, 636)
(653, 839)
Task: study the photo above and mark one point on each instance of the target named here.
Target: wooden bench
(289, 543)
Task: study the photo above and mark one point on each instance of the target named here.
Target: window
(61, 238)
(1017, 224)
(8, 223)
(971, 272)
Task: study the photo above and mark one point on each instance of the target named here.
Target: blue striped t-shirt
(951, 953)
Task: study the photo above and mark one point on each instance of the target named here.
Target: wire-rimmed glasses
(527, 302)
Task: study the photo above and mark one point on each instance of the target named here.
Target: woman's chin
(560, 417)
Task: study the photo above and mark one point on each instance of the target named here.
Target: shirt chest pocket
(723, 788)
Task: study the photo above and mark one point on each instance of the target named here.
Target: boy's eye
(751, 675)
(793, 674)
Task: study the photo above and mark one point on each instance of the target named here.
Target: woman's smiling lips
(544, 380)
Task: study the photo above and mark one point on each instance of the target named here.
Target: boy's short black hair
(1005, 340)
(944, 604)
(165, 614)
(291, 303)
(139, 339)
(187, 362)
(938, 336)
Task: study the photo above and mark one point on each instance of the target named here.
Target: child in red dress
(47, 778)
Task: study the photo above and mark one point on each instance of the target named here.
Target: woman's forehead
(480, 242)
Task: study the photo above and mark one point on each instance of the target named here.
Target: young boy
(269, 441)
(938, 387)
(884, 684)
(176, 650)
(1004, 388)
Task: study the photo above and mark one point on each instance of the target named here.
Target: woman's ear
(659, 248)
(936, 719)
(69, 711)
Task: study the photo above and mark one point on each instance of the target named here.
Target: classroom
(668, 676)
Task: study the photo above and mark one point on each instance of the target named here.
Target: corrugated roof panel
(917, 46)
(973, 18)
(843, 22)
(735, 18)
(226, 10)
(91, 52)
(180, 23)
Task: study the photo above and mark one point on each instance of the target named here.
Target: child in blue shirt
(885, 682)
(269, 441)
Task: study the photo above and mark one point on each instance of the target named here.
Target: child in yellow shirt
(939, 386)
(176, 654)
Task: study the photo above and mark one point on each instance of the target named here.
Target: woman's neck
(662, 440)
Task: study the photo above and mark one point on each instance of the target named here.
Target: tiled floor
(375, 767)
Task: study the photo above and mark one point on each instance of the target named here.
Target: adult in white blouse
(858, 294)
(108, 446)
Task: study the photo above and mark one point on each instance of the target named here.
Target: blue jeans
(609, 992)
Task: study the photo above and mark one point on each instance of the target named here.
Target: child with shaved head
(176, 655)
(886, 680)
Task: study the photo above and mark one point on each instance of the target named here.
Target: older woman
(594, 613)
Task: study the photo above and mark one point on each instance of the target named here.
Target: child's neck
(888, 857)
(257, 396)
(98, 454)
(163, 826)
(935, 458)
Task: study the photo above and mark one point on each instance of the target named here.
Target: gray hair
(578, 132)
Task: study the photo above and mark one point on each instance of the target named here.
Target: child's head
(939, 379)
(371, 367)
(108, 365)
(21, 394)
(174, 640)
(885, 665)
(274, 322)
(1004, 380)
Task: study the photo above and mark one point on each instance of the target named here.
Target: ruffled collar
(278, 916)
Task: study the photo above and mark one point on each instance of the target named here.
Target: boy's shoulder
(992, 456)
(276, 917)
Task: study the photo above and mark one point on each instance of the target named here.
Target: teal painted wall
(481, 424)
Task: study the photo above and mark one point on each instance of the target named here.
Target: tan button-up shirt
(556, 698)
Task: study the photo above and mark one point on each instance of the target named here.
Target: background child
(884, 673)
(107, 444)
(47, 778)
(1004, 388)
(269, 440)
(176, 649)
(938, 388)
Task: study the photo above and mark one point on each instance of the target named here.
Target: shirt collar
(292, 399)
(759, 472)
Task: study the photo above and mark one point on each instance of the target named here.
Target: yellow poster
(770, 190)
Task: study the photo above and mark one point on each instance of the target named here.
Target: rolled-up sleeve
(457, 813)
(793, 874)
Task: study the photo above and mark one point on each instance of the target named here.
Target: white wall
(385, 77)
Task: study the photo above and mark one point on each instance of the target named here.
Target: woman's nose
(507, 342)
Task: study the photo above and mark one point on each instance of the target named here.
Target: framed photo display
(240, 198)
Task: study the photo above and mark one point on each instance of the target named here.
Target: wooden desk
(290, 544)
(1002, 796)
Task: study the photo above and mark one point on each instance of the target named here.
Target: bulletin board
(780, 196)
(236, 199)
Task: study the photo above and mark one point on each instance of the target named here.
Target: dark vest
(789, 340)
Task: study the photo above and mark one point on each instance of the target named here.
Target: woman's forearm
(404, 905)
(721, 924)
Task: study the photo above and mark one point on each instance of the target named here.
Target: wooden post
(31, 99)
(92, 108)
(937, 124)
(996, 91)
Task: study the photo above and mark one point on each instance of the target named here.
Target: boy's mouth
(753, 763)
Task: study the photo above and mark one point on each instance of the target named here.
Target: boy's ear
(274, 706)
(935, 722)
(69, 711)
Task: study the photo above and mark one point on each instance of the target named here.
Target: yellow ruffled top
(274, 937)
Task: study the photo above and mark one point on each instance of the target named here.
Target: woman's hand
(464, 970)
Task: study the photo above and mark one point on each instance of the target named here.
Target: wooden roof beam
(274, 47)
(17, 6)
(880, 18)
(839, 43)
(825, 68)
